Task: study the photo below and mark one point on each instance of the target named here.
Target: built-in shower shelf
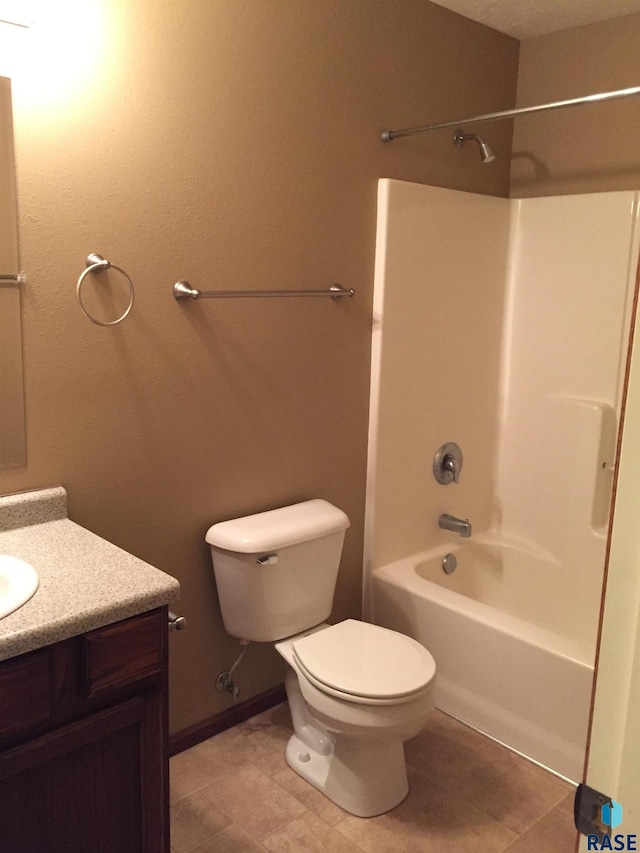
(591, 435)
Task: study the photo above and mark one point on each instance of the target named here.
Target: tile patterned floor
(234, 793)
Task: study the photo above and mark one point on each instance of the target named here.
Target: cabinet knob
(176, 623)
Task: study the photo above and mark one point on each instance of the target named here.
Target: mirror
(12, 420)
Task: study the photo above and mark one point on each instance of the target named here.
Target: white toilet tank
(276, 571)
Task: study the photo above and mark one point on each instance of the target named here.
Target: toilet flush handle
(268, 560)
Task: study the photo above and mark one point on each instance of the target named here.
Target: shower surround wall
(564, 348)
(501, 325)
(441, 261)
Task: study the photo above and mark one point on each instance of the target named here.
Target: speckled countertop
(85, 581)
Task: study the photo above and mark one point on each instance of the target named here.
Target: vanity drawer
(123, 653)
(26, 691)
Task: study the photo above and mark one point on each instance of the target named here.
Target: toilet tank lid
(278, 528)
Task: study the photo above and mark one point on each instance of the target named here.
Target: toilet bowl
(356, 691)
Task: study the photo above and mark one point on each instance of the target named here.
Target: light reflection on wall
(58, 58)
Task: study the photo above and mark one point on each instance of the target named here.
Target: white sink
(18, 582)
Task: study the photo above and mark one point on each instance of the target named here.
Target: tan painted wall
(235, 144)
(590, 148)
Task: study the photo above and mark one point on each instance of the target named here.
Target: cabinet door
(88, 786)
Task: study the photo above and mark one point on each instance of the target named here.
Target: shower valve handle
(447, 464)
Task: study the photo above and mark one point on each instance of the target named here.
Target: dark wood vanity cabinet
(83, 743)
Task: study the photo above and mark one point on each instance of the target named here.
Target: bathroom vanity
(83, 691)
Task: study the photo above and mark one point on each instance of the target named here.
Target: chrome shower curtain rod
(388, 135)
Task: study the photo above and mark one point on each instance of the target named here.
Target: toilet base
(351, 752)
(362, 776)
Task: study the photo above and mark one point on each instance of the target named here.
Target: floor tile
(231, 840)
(309, 796)
(430, 820)
(258, 740)
(554, 833)
(566, 805)
(308, 833)
(234, 793)
(281, 716)
(254, 801)
(195, 819)
(521, 796)
(199, 766)
(456, 756)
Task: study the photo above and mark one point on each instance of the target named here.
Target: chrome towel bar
(182, 290)
(11, 278)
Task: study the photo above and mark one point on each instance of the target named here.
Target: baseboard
(226, 719)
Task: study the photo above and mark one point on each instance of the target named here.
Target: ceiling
(526, 18)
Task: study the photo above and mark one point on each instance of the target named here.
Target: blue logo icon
(611, 814)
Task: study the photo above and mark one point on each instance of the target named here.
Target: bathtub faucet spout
(457, 525)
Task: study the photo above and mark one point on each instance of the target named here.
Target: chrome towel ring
(95, 264)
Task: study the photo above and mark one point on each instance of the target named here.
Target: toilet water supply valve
(224, 682)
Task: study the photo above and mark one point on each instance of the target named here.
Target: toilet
(356, 691)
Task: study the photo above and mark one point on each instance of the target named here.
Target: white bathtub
(509, 674)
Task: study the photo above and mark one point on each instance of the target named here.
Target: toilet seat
(364, 663)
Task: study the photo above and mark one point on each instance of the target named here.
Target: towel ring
(96, 263)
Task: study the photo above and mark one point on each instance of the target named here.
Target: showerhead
(460, 137)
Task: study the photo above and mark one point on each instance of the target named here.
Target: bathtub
(506, 665)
